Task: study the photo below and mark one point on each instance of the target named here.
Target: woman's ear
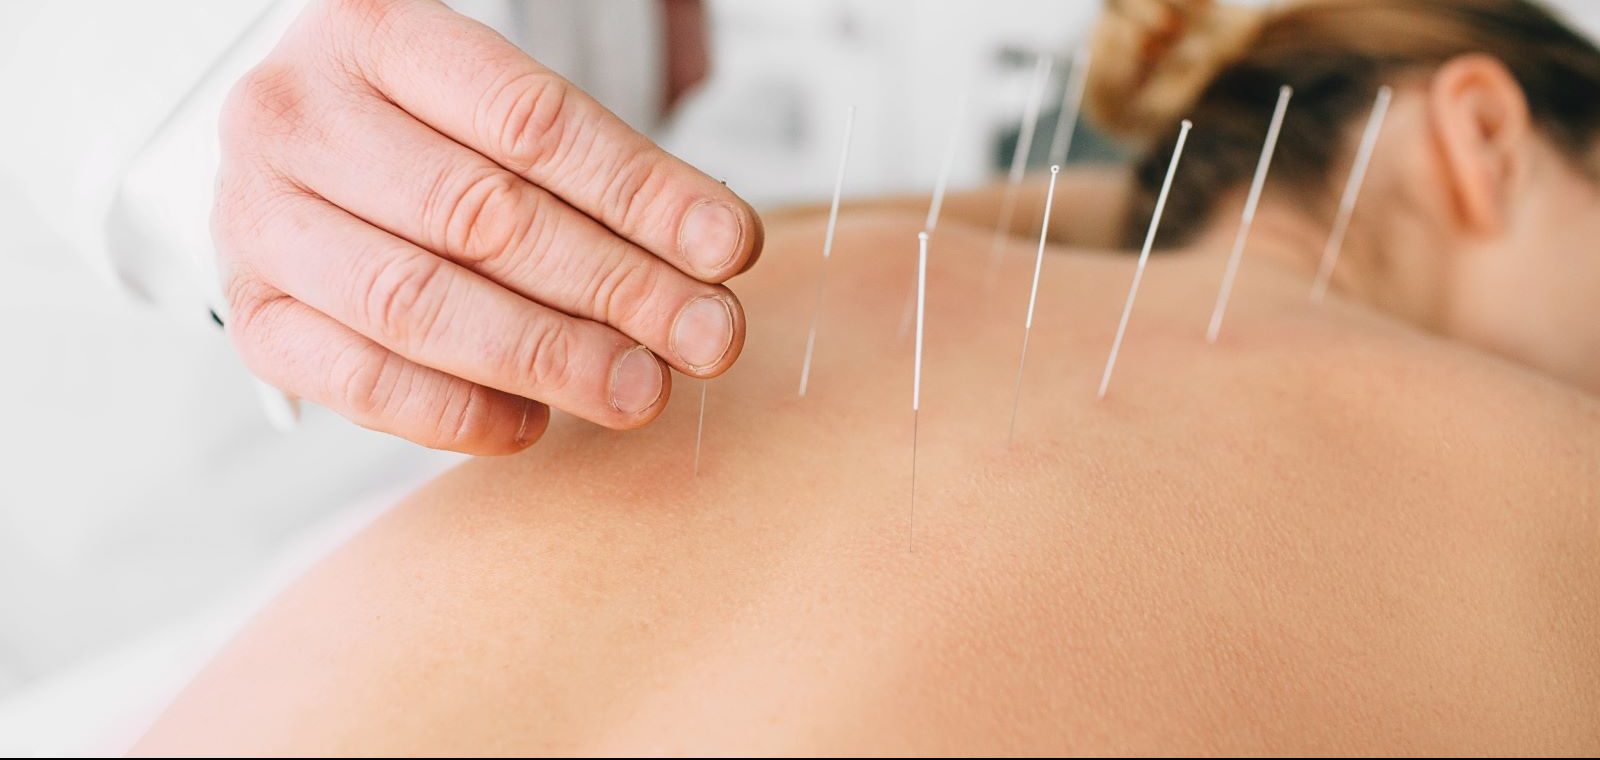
(1481, 127)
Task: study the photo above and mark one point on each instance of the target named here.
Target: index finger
(474, 86)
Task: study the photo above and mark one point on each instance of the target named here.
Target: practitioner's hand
(429, 232)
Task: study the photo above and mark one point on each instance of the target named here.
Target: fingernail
(710, 236)
(703, 332)
(636, 382)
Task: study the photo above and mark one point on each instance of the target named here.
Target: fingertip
(706, 332)
(534, 420)
(735, 343)
(719, 238)
(710, 238)
(758, 242)
(640, 387)
(735, 348)
(498, 424)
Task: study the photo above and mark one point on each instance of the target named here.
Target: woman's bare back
(1328, 533)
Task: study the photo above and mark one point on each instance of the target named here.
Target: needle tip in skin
(700, 426)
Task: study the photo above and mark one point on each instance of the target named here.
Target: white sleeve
(96, 86)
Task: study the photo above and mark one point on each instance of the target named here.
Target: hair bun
(1154, 58)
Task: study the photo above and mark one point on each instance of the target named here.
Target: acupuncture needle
(1144, 257)
(700, 426)
(1071, 107)
(827, 250)
(1249, 219)
(1033, 299)
(947, 164)
(1352, 192)
(916, 381)
(1019, 159)
(941, 185)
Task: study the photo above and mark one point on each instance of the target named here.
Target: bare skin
(1329, 533)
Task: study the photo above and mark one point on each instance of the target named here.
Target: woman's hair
(1157, 61)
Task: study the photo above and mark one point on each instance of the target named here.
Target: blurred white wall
(1585, 13)
(787, 70)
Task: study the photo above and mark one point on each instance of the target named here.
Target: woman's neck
(1410, 287)
(1287, 241)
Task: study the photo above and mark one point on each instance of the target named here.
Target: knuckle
(481, 218)
(549, 356)
(242, 213)
(270, 101)
(256, 327)
(528, 119)
(631, 186)
(404, 297)
(628, 189)
(361, 382)
(459, 423)
(629, 294)
(352, 31)
(359, 14)
(249, 302)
